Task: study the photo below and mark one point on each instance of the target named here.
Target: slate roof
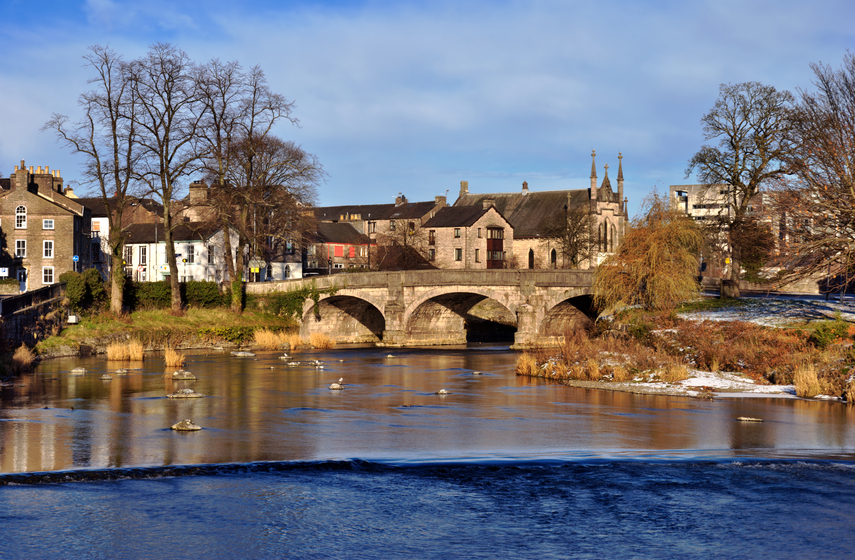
(99, 208)
(406, 211)
(329, 232)
(189, 231)
(529, 212)
(456, 216)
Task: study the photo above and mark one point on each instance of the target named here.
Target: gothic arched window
(553, 259)
(531, 258)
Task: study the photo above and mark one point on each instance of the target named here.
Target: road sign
(75, 258)
(4, 272)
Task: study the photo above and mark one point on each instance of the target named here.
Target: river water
(386, 468)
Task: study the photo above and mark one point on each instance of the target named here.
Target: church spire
(620, 177)
(593, 175)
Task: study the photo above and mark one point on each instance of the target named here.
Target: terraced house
(44, 230)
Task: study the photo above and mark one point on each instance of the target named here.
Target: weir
(431, 307)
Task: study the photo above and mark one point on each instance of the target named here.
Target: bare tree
(656, 263)
(241, 112)
(106, 135)
(751, 122)
(279, 186)
(574, 232)
(168, 118)
(403, 247)
(817, 207)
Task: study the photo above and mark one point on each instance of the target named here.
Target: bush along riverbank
(678, 353)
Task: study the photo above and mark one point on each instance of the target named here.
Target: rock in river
(183, 374)
(185, 394)
(186, 425)
(241, 354)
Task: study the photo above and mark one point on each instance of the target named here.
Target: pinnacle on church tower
(593, 175)
(620, 177)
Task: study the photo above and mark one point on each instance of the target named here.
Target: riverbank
(780, 347)
(157, 329)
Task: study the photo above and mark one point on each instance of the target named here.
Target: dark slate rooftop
(456, 216)
(188, 231)
(99, 208)
(329, 232)
(529, 212)
(406, 211)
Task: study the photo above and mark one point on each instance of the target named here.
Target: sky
(415, 96)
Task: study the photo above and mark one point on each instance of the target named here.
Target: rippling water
(503, 466)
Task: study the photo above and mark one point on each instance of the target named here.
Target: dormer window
(21, 217)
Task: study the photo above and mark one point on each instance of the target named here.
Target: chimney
(464, 187)
(439, 200)
(525, 187)
(488, 202)
(69, 192)
(198, 193)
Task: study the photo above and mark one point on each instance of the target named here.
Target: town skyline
(413, 98)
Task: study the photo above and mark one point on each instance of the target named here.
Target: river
(284, 467)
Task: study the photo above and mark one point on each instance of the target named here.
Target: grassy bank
(156, 329)
(814, 354)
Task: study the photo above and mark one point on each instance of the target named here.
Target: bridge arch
(452, 315)
(344, 318)
(566, 315)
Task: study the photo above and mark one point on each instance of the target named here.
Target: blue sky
(416, 96)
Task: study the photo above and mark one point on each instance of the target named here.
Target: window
(392, 225)
(411, 227)
(210, 254)
(20, 248)
(289, 246)
(479, 233)
(47, 224)
(432, 237)
(431, 254)
(21, 217)
(495, 233)
(458, 254)
(129, 255)
(478, 253)
(457, 232)
(143, 256)
(372, 227)
(47, 247)
(47, 275)
(191, 254)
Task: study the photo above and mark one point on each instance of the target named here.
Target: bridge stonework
(434, 307)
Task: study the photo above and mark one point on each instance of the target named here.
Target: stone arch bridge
(435, 307)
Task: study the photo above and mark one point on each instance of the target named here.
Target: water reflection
(260, 409)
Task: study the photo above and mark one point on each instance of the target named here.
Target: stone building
(469, 237)
(338, 246)
(43, 232)
(533, 216)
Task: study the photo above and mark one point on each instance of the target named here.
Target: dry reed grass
(849, 393)
(173, 358)
(674, 372)
(320, 340)
(294, 341)
(621, 374)
(22, 359)
(806, 381)
(132, 351)
(592, 370)
(526, 365)
(269, 340)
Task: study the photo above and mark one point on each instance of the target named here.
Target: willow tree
(656, 264)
